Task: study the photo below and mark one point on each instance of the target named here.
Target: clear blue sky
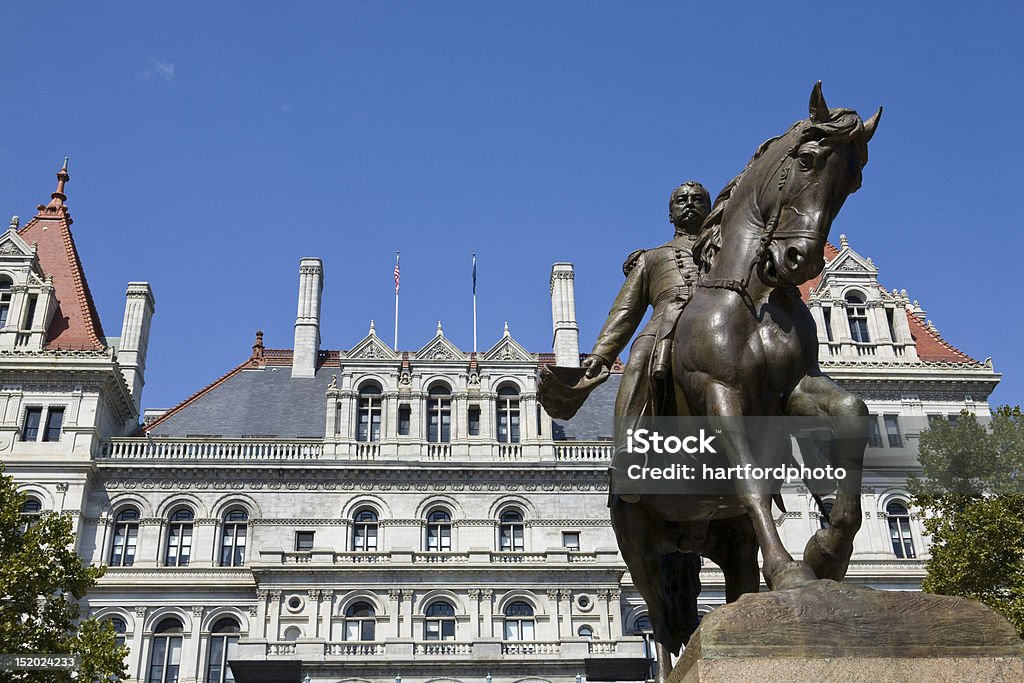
(213, 145)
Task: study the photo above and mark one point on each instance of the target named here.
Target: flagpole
(397, 277)
(474, 303)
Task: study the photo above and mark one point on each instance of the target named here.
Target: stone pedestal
(833, 631)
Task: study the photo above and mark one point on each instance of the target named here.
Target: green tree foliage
(972, 484)
(42, 580)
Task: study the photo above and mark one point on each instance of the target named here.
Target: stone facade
(373, 515)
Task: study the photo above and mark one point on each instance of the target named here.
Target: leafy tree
(42, 580)
(973, 486)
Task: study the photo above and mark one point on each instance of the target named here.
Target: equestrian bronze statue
(745, 345)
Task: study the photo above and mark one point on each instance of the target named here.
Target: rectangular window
(54, 421)
(892, 430)
(571, 540)
(30, 430)
(827, 315)
(953, 419)
(304, 540)
(874, 433)
(891, 319)
(30, 313)
(404, 419)
(474, 420)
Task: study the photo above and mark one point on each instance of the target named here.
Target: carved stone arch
(179, 500)
(360, 595)
(433, 501)
(234, 500)
(505, 502)
(858, 290)
(378, 504)
(104, 613)
(532, 679)
(439, 378)
(215, 614)
(634, 615)
(120, 501)
(444, 680)
(355, 680)
(440, 594)
(520, 595)
(508, 380)
(370, 378)
(41, 493)
(160, 613)
(893, 494)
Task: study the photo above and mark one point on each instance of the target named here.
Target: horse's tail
(681, 572)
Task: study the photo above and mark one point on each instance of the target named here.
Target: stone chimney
(138, 314)
(307, 320)
(566, 340)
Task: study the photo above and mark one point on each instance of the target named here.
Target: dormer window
(439, 414)
(369, 412)
(857, 314)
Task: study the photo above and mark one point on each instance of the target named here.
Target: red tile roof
(75, 324)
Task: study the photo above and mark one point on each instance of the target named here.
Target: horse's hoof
(791, 575)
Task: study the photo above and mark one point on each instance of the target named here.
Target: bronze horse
(746, 345)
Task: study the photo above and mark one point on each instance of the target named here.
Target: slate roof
(252, 402)
(595, 420)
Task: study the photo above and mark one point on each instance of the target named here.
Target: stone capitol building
(372, 516)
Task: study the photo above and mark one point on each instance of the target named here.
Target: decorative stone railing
(441, 648)
(399, 558)
(518, 558)
(280, 649)
(602, 647)
(531, 648)
(440, 558)
(354, 649)
(211, 449)
(584, 450)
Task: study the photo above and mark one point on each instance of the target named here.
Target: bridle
(771, 230)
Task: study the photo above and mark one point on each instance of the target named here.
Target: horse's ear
(871, 124)
(818, 108)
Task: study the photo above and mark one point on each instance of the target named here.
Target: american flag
(398, 273)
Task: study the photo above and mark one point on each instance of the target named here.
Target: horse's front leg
(780, 570)
(828, 551)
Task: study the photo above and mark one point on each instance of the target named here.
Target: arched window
(179, 538)
(439, 530)
(857, 314)
(31, 510)
(5, 299)
(826, 510)
(440, 622)
(519, 621)
(364, 531)
(439, 414)
(508, 414)
(368, 428)
(126, 537)
(510, 531)
(360, 622)
(899, 530)
(232, 546)
(165, 655)
(292, 633)
(120, 630)
(642, 625)
(585, 632)
(223, 644)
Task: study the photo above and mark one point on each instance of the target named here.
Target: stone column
(151, 537)
(394, 605)
(314, 596)
(460, 423)
(488, 612)
(131, 356)
(259, 628)
(474, 613)
(192, 651)
(205, 542)
(326, 614)
(407, 610)
(137, 643)
(527, 418)
(565, 609)
(556, 622)
(615, 614)
(389, 416)
(602, 609)
(275, 616)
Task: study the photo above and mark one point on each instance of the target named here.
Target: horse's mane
(842, 126)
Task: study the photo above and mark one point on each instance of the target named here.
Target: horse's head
(802, 186)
